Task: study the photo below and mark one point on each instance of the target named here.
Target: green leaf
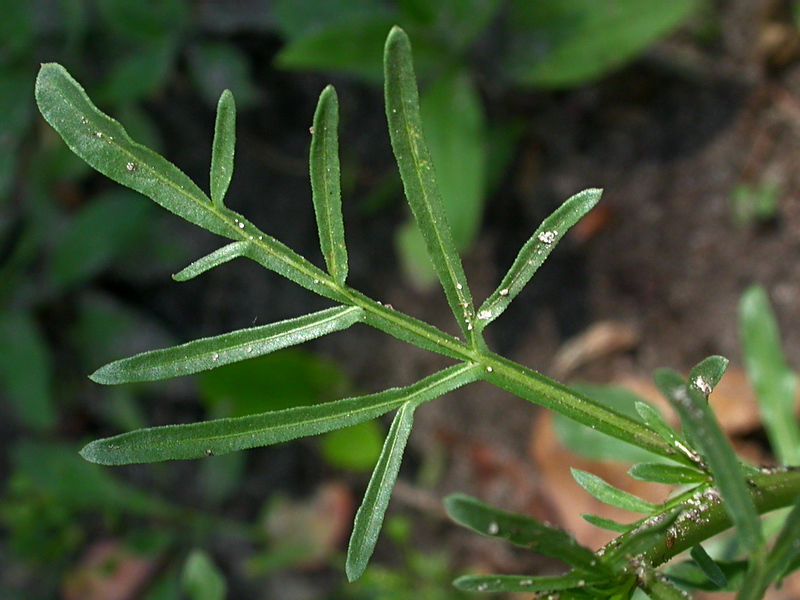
(356, 448)
(295, 18)
(668, 474)
(138, 75)
(101, 231)
(218, 257)
(705, 376)
(208, 353)
(688, 574)
(201, 579)
(416, 171)
(130, 21)
(104, 144)
(523, 584)
(284, 379)
(369, 517)
(413, 257)
(326, 185)
(657, 588)
(26, 370)
(452, 116)
(564, 43)
(700, 423)
(605, 492)
(276, 256)
(54, 470)
(784, 556)
(520, 530)
(223, 148)
(197, 440)
(774, 382)
(534, 253)
(607, 524)
(708, 566)
(219, 66)
(351, 46)
(462, 21)
(656, 422)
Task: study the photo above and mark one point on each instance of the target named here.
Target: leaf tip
(104, 376)
(92, 453)
(397, 36)
(354, 568)
(225, 96)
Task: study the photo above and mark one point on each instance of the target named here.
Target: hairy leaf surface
(534, 253)
(198, 440)
(207, 353)
(326, 186)
(520, 530)
(605, 492)
(222, 150)
(416, 171)
(105, 145)
(369, 517)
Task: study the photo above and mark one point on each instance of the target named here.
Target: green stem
(515, 378)
(704, 517)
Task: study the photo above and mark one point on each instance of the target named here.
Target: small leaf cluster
(718, 491)
(722, 491)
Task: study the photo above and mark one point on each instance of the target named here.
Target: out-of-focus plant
(721, 491)
(552, 44)
(753, 204)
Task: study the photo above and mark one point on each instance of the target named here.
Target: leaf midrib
(465, 369)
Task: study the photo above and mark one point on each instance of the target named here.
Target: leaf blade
(220, 256)
(195, 440)
(607, 524)
(326, 184)
(369, 518)
(667, 474)
(522, 583)
(105, 145)
(223, 147)
(707, 435)
(455, 133)
(653, 418)
(774, 382)
(607, 493)
(416, 171)
(520, 530)
(535, 251)
(207, 353)
(707, 565)
(785, 553)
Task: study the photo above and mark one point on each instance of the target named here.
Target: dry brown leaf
(313, 528)
(109, 571)
(600, 339)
